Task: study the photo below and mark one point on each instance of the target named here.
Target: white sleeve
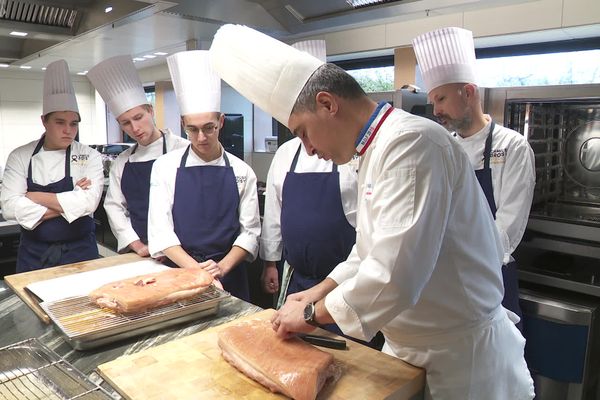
(408, 211)
(346, 269)
(115, 205)
(249, 216)
(518, 182)
(15, 206)
(161, 230)
(78, 202)
(271, 243)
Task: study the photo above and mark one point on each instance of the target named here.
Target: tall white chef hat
(446, 55)
(119, 84)
(316, 48)
(266, 71)
(59, 94)
(197, 86)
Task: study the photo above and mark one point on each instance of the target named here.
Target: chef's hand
(289, 320)
(212, 268)
(84, 183)
(270, 278)
(140, 248)
(315, 293)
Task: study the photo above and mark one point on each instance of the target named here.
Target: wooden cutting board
(192, 368)
(18, 282)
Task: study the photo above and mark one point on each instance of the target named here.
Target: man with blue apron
(203, 200)
(55, 203)
(127, 197)
(502, 158)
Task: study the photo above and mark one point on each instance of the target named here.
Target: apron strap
(164, 145)
(37, 150)
(487, 151)
(334, 168)
(184, 157)
(164, 142)
(295, 160)
(187, 151)
(227, 164)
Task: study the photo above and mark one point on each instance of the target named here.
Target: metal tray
(84, 325)
(30, 370)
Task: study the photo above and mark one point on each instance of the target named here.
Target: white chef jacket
(271, 244)
(513, 178)
(115, 203)
(426, 264)
(49, 167)
(161, 231)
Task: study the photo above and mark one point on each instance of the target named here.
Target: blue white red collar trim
(366, 136)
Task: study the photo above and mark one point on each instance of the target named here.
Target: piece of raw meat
(288, 366)
(148, 291)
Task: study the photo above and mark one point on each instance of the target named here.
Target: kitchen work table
(174, 347)
(18, 322)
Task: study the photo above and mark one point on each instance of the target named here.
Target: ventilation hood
(48, 23)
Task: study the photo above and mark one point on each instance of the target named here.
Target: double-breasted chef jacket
(426, 266)
(61, 240)
(138, 161)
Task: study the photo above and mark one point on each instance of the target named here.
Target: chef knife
(324, 341)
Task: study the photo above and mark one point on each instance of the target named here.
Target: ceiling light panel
(369, 3)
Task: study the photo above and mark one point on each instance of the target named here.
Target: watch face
(309, 311)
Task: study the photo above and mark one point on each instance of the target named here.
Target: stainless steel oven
(559, 256)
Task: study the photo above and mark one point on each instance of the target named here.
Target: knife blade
(324, 341)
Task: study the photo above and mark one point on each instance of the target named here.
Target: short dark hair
(327, 78)
(46, 117)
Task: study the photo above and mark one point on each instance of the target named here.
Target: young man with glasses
(126, 202)
(203, 200)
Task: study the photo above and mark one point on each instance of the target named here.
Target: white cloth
(59, 94)
(119, 84)
(115, 203)
(427, 257)
(161, 233)
(513, 177)
(197, 86)
(264, 70)
(446, 55)
(49, 167)
(271, 244)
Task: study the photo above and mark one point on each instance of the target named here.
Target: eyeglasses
(207, 129)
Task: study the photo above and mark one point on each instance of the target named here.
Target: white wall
(21, 108)
(524, 22)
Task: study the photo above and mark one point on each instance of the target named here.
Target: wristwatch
(309, 314)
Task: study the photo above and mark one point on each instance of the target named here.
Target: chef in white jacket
(53, 185)
(126, 202)
(502, 158)
(203, 200)
(425, 269)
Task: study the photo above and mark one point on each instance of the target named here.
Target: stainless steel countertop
(18, 322)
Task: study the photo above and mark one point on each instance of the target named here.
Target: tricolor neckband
(366, 136)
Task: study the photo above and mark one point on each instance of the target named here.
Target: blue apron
(55, 241)
(135, 186)
(509, 272)
(206, 218)
(317, 240)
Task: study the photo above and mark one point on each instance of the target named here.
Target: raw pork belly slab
(292, 367)
(145, 292)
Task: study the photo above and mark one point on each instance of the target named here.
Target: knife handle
(324, 341)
